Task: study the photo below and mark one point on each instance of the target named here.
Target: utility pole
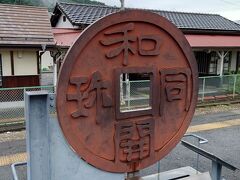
(122, 4)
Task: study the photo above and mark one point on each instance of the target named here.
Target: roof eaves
(210, 31)
(237, 24)
(20, 45)
(24, 6)
(83, 4)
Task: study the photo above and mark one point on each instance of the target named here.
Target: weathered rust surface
(88, 92)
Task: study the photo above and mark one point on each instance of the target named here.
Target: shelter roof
(24, 26)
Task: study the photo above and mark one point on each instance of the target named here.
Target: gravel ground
(10, 136)
(216, 109)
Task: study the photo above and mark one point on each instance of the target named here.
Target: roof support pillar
(221, 55)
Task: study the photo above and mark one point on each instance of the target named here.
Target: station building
(25, 35)
(215, 40)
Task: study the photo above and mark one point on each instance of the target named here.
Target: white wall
(66, 24)
(47, 60)
(6, 62)
(25, 62)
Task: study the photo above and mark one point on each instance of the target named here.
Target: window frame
(152, 73)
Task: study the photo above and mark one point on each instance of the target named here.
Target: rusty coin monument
(92, 110)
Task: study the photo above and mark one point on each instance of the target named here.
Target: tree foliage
(49, 3)
(84, 2)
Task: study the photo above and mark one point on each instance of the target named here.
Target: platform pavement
(204, 124)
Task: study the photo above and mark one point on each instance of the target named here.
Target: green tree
(49, 4)
(83, 1)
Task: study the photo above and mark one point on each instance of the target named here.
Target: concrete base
(185, 173)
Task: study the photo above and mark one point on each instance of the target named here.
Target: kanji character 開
(133, 140)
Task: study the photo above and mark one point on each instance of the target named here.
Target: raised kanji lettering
(174, 84)
(133, 140)
(156, 45)
(90, 96)
(79, 96)
(125, 41)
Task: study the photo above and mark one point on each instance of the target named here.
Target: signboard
(107, 126)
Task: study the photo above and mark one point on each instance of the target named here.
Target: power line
(236, 3)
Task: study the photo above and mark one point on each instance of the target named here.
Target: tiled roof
(86, 14)
(24, 26)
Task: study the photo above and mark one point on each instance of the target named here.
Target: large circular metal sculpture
(92, 106)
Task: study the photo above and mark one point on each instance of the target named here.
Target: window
(64, 19)
(227, 63)
(213, 63)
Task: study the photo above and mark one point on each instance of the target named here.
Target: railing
(12, 102)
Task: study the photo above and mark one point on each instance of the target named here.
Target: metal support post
(158, 170)
(203, 89)
(128, 90)
(216, 171)
(37, 133)
(122, 102)
(234, 85)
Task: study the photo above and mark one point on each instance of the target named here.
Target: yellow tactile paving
(10, 159)
(21, 157)
(215, 125)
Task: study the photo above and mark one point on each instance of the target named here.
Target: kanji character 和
(125, 47)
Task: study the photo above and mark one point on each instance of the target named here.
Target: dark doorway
(207, 63)
(238, 63)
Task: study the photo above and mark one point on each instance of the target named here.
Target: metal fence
(134, 95)
(12, 102)
(219, 87)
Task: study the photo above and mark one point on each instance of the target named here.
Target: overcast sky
(227, 8)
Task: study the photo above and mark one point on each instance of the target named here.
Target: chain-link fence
(219, 87)
(12, 102)
(134, 95)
